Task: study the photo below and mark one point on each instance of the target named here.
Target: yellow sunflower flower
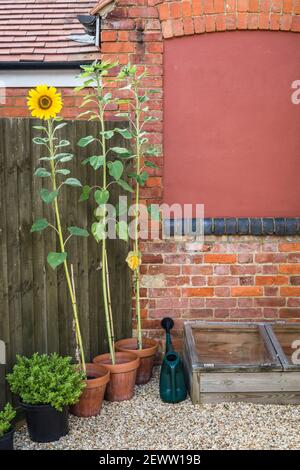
(44, 102)
(133, 260)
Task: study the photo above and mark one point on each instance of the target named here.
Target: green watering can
(172, 386)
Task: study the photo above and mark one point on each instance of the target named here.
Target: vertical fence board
(35, 309)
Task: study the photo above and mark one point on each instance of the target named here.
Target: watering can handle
(167, 324)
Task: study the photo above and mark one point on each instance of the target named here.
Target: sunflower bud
(133, 260)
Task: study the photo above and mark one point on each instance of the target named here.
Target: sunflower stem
(71, 287)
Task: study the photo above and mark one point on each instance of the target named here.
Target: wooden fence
(35, 311)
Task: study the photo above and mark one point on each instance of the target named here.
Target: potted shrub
(46, 385)
(122, 365)
(7, 415)
(45, 103)
(138, 116)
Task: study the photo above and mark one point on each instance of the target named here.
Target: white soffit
(31, 78)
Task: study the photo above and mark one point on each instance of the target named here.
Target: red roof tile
(40, 30)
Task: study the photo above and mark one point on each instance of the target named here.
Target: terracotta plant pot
(122, 375)
(146, 355)
(90, 402)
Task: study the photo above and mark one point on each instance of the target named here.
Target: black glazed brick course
(280, 226)
(268, 226)
(219, 226)
(259, 226)
(243, 226)
(256, 227)
(231, 226)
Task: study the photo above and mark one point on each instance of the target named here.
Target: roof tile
(39, 31)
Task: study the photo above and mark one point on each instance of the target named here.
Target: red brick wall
(237, 278)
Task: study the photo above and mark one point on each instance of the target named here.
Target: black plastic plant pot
(45, 423)
(7, 440)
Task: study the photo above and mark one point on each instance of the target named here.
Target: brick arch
(186, 17)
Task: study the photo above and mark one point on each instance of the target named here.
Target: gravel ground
(148, 424)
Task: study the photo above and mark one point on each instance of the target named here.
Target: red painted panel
(232, 134)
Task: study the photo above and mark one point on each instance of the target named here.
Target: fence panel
(35, 311)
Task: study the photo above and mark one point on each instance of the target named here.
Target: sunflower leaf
(85, 193)
(84, 141)
(125, 186)
(122, 152)
(150, 164)
(63, 171)
(64, 157)
(116, 169)
(101, 196)
(40, 128)
(72, 182)
(42, 173)
(78, 232)
(124, 133)
(48, 196)
(39, 225)
(40, 140)
(98, 231)
(55, 259)
(60, 126)
(63, 143)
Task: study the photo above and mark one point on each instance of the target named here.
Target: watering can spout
(172, 385)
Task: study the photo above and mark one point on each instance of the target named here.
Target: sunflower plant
(45, 103)
(138, 115)
(109, 162)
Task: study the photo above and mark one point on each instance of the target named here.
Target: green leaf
(84, 141)
(152, 151)
(63, 143)
(98, 231)
(72, 182)
(55, 259)
(48, 159)
(122, 230)
(150, 164)
(48, 196)
(142, 178)
(64, 157)
(78, 232)
(84, 85)
(107, 97)
(39, 225)
(122, 115)
(101, 196)
(124, 133)
(40, 128)
(143, 98)
(125, 186)
(122, 152)
(96, 161)
(116, 169)
(150, 119)
(60, 126)
(85, 193)
(42, 173)
(63, 171)
(107, 134)
(40, 140)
